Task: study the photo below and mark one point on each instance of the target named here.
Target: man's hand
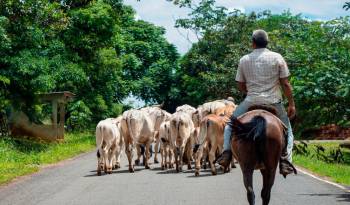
(291, 111)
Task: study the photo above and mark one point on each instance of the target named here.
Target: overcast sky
(163, 13)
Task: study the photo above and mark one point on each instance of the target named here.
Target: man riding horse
(260, 76)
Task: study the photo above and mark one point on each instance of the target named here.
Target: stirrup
(224, 159)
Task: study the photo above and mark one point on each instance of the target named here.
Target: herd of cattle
(187, 135)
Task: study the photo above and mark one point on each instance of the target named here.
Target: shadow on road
(207, 174)
(113, 172)
(340, 197)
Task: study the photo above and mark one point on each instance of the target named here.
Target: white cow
(158, 116)
(137, 129)
(109, 143)
(165, 146)
(213, 107)
(181, 127)
(117, 122)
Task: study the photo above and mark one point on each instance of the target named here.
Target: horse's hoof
(98, 173)
(163, 167)
(189, 167)
(156, 161)
(196, 173)
(213, 173)
(233, 165)
(147, 167)
(137, 162)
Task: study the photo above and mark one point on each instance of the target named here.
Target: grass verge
(21, 157)
(337, 172)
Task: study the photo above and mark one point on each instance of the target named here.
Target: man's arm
(242, 87)
(287, 91)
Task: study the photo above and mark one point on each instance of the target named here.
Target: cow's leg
(204, 156)
(117, 157)
(248, 183)
(212, 152)
(100, 165)
(148, 154)
(105, 158)
(138, 150)
(198, 160)
(189, 153)
(111, 158)
(177, 155)
(182, 152)
(163, 157)
(171, 153)
(268, 181)
(156, 149)
(129, 153)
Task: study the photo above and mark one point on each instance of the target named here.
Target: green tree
(320, 79)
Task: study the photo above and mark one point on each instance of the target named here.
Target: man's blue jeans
(282, 115)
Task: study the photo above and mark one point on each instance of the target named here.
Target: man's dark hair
(260, 38)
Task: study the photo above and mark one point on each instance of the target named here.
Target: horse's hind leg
(268, 180)
(248, 183)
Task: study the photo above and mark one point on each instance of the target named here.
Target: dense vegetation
(317, 53)
(97, 50)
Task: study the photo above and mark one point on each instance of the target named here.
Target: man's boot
(225, 158)
(286, 167)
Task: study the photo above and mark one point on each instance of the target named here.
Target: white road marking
(323, 180)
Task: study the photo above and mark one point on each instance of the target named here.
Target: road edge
(319, 178)
(42, 168)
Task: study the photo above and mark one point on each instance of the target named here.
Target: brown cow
(211, 136)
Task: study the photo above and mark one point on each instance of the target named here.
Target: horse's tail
(254, 131)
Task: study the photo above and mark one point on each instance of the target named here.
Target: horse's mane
(268, 108)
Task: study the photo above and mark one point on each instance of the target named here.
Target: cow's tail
(203, 132)
(99, 139)
(128, 121)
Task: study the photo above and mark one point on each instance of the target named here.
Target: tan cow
(108, 142)
(137, 129)
(211, 137)
(181, 127)
(158, 116)
(214, 107)
(165, 146)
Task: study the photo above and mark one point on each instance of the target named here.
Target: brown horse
(259, 137)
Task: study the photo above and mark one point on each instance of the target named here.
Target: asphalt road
(75, 182)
